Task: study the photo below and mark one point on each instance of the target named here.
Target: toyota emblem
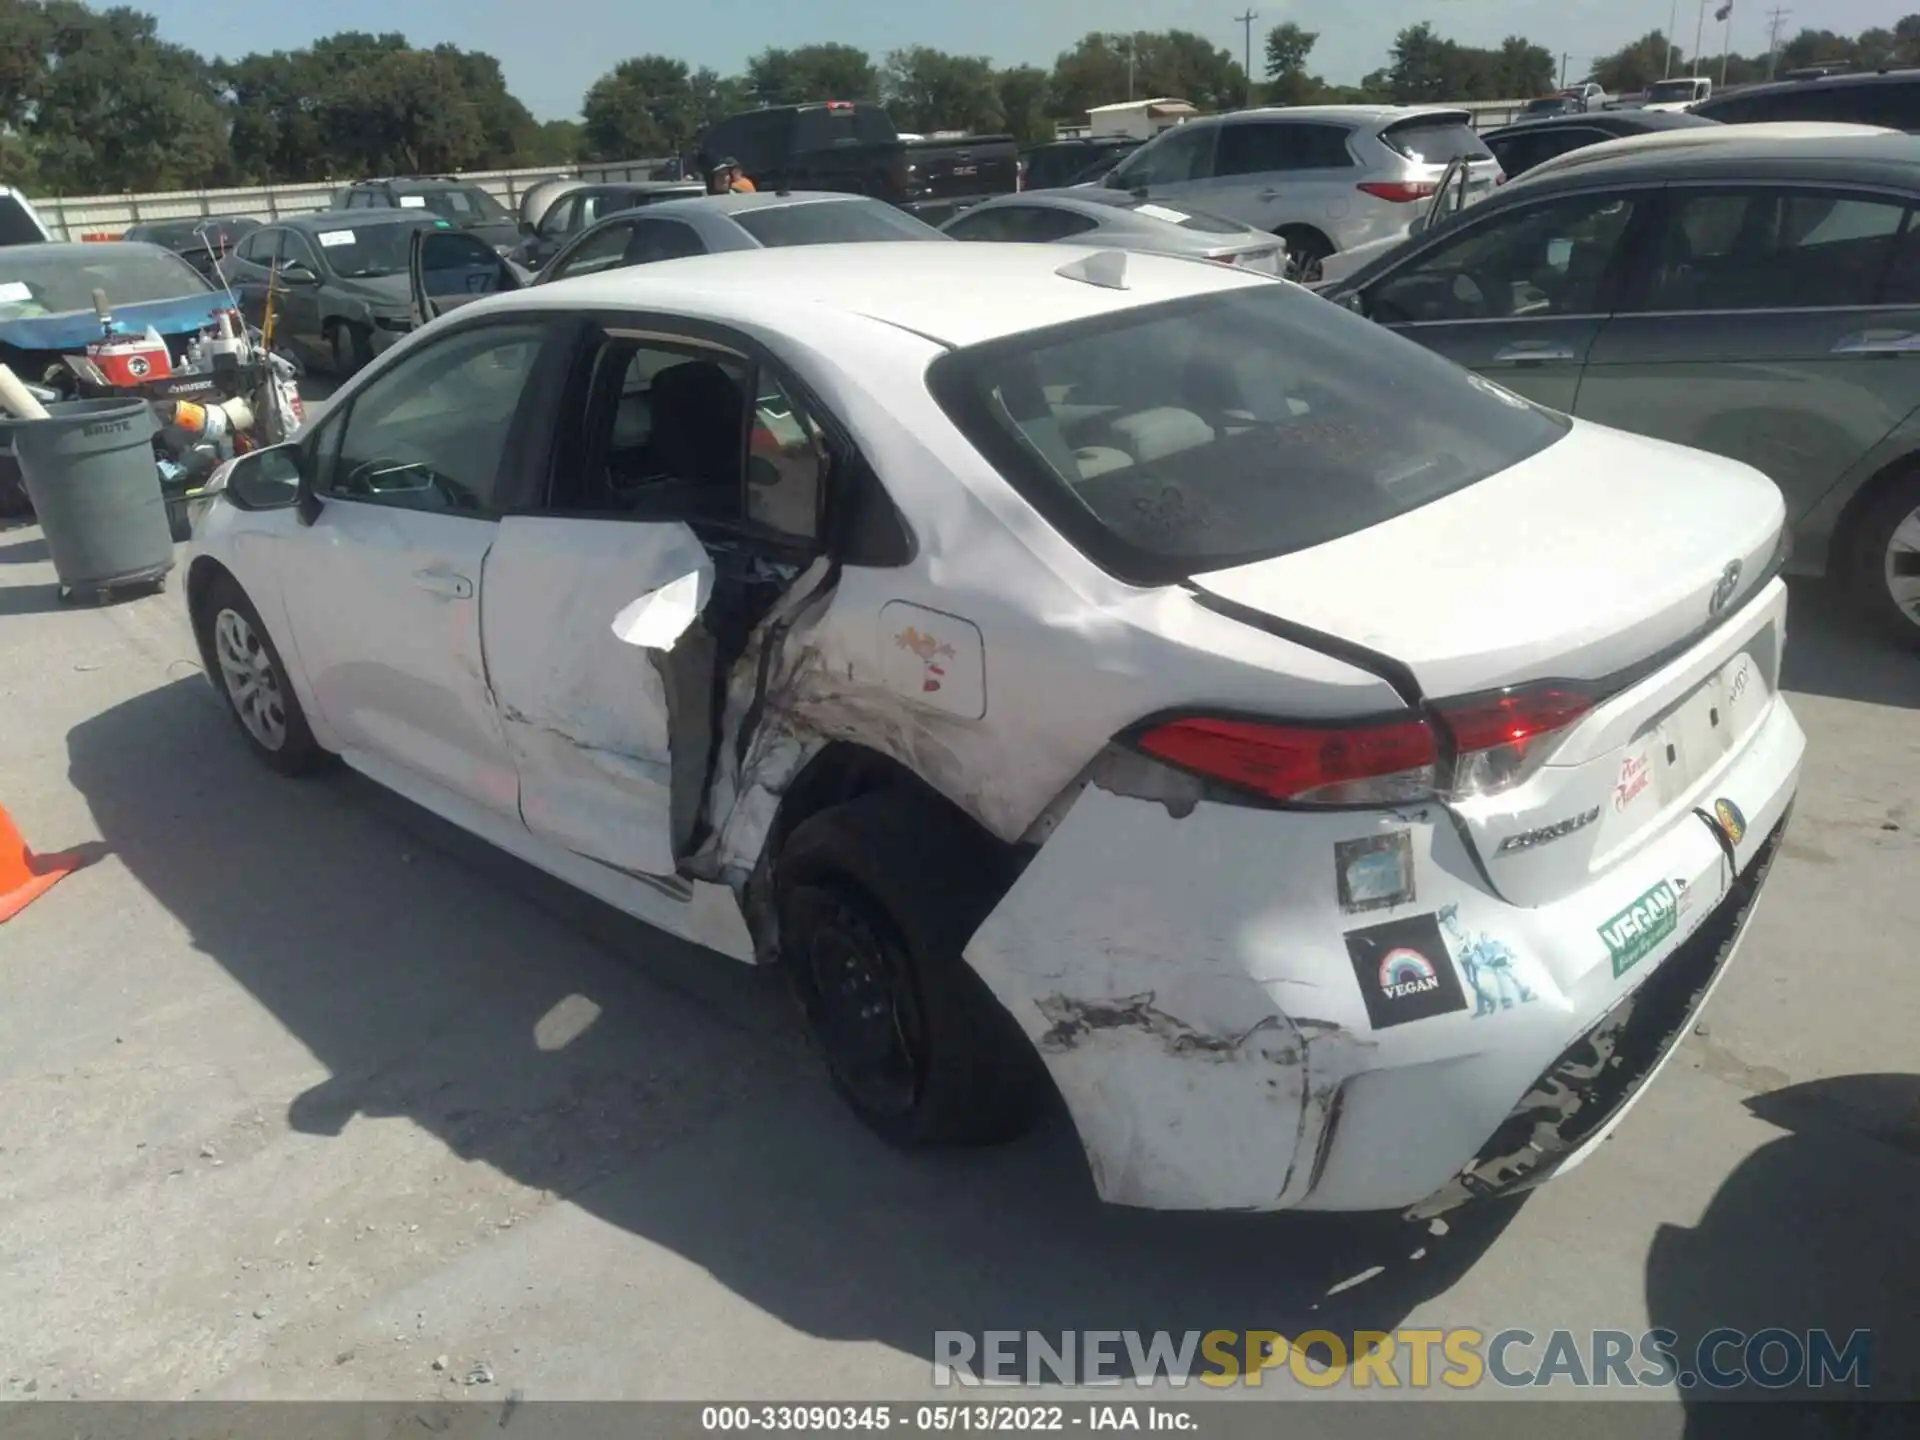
(1723, 589)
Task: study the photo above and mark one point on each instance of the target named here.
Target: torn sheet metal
(658, 618)
(585, 711)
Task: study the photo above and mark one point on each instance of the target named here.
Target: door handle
(440, 582)
(1271, 194)
(1532, 352)
(1879, 342)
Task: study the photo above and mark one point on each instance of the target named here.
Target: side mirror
(268, 479)
(298, 272)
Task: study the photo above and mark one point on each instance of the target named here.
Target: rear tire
(877, 898)
(1305, 250)
(246, 668)
(1884, 568)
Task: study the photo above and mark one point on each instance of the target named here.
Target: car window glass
(662, 240)
(258, 248)
(1039, 224)
(17, 225)
(429, 433)
(1532, 262)
(604, 249)
(1185, 153)
(295, 247)
(786, 464)
(563, 218)
(1256, 148)
(1902, 283)
(992, 224)
(1767, 249)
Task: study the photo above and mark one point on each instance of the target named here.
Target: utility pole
(1673, 19)
(1245, 22)
(1775, 19)
(1133, 44)
(1699, 34)
(1564, 57)
(1725, 13)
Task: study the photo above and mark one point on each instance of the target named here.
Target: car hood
(72, 330)
(1598, 552)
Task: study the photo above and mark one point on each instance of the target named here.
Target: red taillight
(839, 104)
(1402, 192)
(1494, 736)
(1330, 764)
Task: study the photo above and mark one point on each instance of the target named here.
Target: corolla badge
(1723, 589)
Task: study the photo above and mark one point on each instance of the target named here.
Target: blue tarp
(71, 332)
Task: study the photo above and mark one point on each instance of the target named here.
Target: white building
(1138, 119)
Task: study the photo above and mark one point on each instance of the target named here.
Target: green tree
(1025, 99)
(1816, 47)
(555, 142)
(1288, 82)
(1521, 69)
(643, 107)
(1634, 67)
(1422, 65)
(1172, 63)
(931, 90)
(813, 72)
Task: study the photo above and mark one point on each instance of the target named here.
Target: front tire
(247, 670)
(877, 897)
(351, 350)
(1885, 571)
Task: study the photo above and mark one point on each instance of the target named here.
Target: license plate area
(1664, 763)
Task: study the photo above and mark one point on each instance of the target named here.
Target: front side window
(259, 248)
(603, 249)
(1181, 154)
(430, 432)
(1526, 263)
(296, 249)
(1193, 435)
(1771, 249)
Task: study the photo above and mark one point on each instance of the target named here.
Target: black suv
(459, 202)
(1890, 98)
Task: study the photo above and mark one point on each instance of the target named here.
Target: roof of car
(1627, 121)
(1841, 80)
(1329, 112)
(752, 200)
(1862, 158)
(346, 219)
(952, 294)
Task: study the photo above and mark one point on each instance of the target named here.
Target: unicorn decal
(1487, 964)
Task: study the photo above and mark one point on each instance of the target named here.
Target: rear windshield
(40, 280)
(1435, 140)
(1198, 434)
(832, 222)
(826, 127)
(466, 205)
(1187, 219)
(1665, 92)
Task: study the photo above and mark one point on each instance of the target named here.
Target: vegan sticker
(1637, 931)
(1404, 971)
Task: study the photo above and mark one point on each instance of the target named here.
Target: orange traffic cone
(25, 876)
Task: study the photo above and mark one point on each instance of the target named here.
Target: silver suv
(1322, 177)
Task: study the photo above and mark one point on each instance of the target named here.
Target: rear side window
(1257, 147)
(1767, 249)
(829, 127)
(832, 222)
(1198, 434)
(1434, 140)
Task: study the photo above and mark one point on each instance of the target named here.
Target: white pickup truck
(1682, 94)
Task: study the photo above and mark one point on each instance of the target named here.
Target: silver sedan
(1122, 221)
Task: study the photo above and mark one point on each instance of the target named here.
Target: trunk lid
(1612, 568)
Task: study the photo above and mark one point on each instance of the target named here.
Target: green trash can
(90, 473)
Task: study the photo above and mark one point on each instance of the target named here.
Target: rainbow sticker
(1407, 972)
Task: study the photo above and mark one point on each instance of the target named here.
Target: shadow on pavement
(28, 551)
(1814, 1231)
(412, 963)
(1832, 651)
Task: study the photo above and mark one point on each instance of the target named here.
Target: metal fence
(98, 217)
(80, 217)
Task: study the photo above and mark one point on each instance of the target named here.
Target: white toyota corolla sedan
(1342, 780)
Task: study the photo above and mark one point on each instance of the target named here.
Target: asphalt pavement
(305, 1095)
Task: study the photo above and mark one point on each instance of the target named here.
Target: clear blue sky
(552, 52)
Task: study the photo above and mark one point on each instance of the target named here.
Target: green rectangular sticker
(1637, 931)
